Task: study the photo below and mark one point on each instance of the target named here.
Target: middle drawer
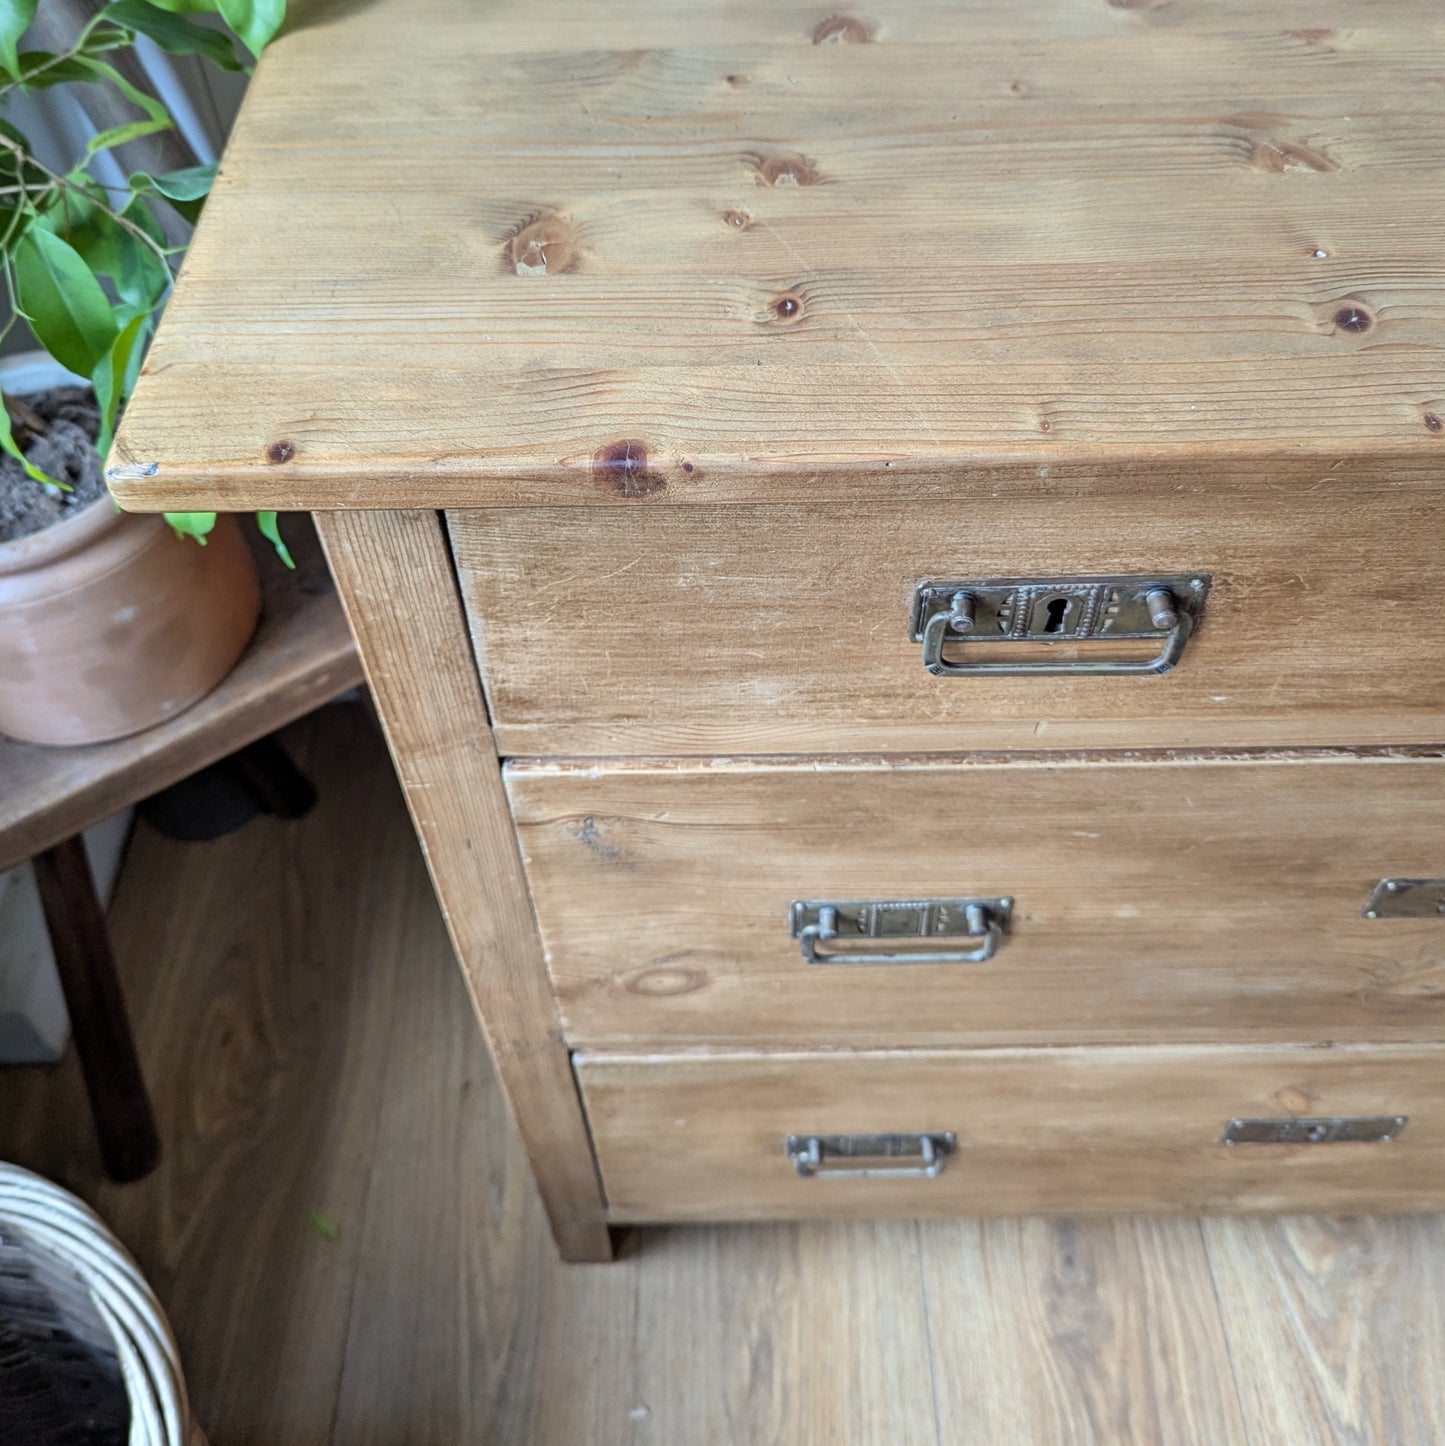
(1165, 898)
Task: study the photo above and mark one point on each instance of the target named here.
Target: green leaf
(119, 135)
(9, 444)
(140, 278)
(137, 356)
(109, 378)
(189, 184)
(325, 1226)
(185, 189)
(192, 524)
(255, 21)
(106, 37)
(15, 18)
(188, 7)
(266, 521)
(39, 70)
(63, 302)
(173, 33)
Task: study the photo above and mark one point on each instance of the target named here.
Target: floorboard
(345, 1232)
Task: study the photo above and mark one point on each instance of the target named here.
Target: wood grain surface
(680, 252)
(1146, 1361)
(1192, 899)
(394, 575)
(787, 629)
(1307, 1301)
(1096, 1131)
(311, 1048)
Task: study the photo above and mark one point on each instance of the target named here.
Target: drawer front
(1035, 1131)
(787, 629)
(1186, 899)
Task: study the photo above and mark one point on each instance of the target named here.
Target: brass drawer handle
(839, 1157)
(900, 922)
(1056, 610)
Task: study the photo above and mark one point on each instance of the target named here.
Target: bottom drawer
(1035, 1131)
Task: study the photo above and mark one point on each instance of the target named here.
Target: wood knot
(282, 451)
(735, 80)
(784, 170)
(542, 246)
(626, 469)
(841, 30)
(788, 307)
(1433, 423)
(1275, 157)
(1353, 319)
(737, 220)
(664, 980)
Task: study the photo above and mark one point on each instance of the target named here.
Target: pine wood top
(541, 252)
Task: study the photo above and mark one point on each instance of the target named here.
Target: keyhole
(1058, 610)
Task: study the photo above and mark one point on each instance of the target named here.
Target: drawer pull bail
(837, 1157)
(908, 928)
(1056, 610)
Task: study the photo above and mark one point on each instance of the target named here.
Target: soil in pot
(56, 429)
(109, 624)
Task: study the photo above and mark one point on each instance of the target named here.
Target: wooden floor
(317, 1075)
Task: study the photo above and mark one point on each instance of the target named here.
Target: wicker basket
(82, 1275)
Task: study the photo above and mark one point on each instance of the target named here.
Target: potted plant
(109, 623)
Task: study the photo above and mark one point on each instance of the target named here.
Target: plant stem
(58, 59)
(23, 156)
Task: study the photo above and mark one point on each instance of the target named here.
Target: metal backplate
(1058, 609)
(1407, 899)
(1335, 1130)
(898, 919)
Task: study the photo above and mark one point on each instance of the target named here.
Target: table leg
(124, 1122)
(269, 775)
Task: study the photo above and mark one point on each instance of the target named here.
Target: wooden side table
(302, 656)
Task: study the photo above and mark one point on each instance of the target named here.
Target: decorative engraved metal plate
(1057, 610)
(1334, 1130)
(1407, 899)
(838, 922)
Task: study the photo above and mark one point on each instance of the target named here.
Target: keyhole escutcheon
(1056, 614)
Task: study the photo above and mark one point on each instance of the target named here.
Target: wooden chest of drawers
(899, 554)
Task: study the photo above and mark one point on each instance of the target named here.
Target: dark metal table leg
(124, 1121)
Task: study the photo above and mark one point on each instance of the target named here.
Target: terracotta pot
(109, 623)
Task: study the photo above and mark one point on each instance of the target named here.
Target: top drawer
(787, 628)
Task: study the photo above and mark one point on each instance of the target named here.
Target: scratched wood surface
(1176, 899)
(1092, 1131)
(677, 252)
(309, 1041)
(787, 628)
